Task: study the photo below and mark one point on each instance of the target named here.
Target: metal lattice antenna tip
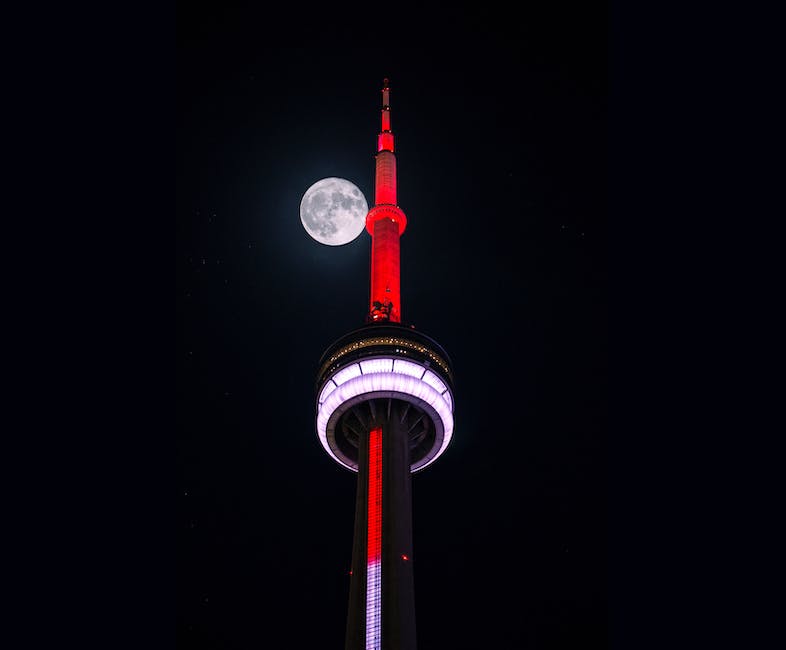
(385, 82)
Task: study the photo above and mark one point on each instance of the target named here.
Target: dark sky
(500, 117)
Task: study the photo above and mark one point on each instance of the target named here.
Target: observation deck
(379, 371)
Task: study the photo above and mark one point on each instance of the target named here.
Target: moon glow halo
(333, 211)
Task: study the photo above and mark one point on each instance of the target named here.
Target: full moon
(333, 211)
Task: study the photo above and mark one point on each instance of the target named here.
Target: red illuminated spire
(385, 223)
(385, 138)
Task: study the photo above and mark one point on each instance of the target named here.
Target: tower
(384, 410)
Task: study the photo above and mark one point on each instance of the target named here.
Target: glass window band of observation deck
(371, 345)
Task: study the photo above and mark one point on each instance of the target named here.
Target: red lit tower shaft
(385, 223)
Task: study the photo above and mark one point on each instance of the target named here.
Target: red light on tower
(385, 223)
(374, 544)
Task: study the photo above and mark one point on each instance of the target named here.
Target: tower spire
(385, 223)
(385, 137)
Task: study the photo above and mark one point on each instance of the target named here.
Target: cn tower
(384, 410)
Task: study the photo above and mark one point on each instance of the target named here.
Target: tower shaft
(382, 588)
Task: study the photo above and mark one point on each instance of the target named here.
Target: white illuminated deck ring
(386, 376)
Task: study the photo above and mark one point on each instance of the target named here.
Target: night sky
(500, 118)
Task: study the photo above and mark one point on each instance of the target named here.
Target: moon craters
(333, 211)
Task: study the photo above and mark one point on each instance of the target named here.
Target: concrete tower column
(396, 613)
